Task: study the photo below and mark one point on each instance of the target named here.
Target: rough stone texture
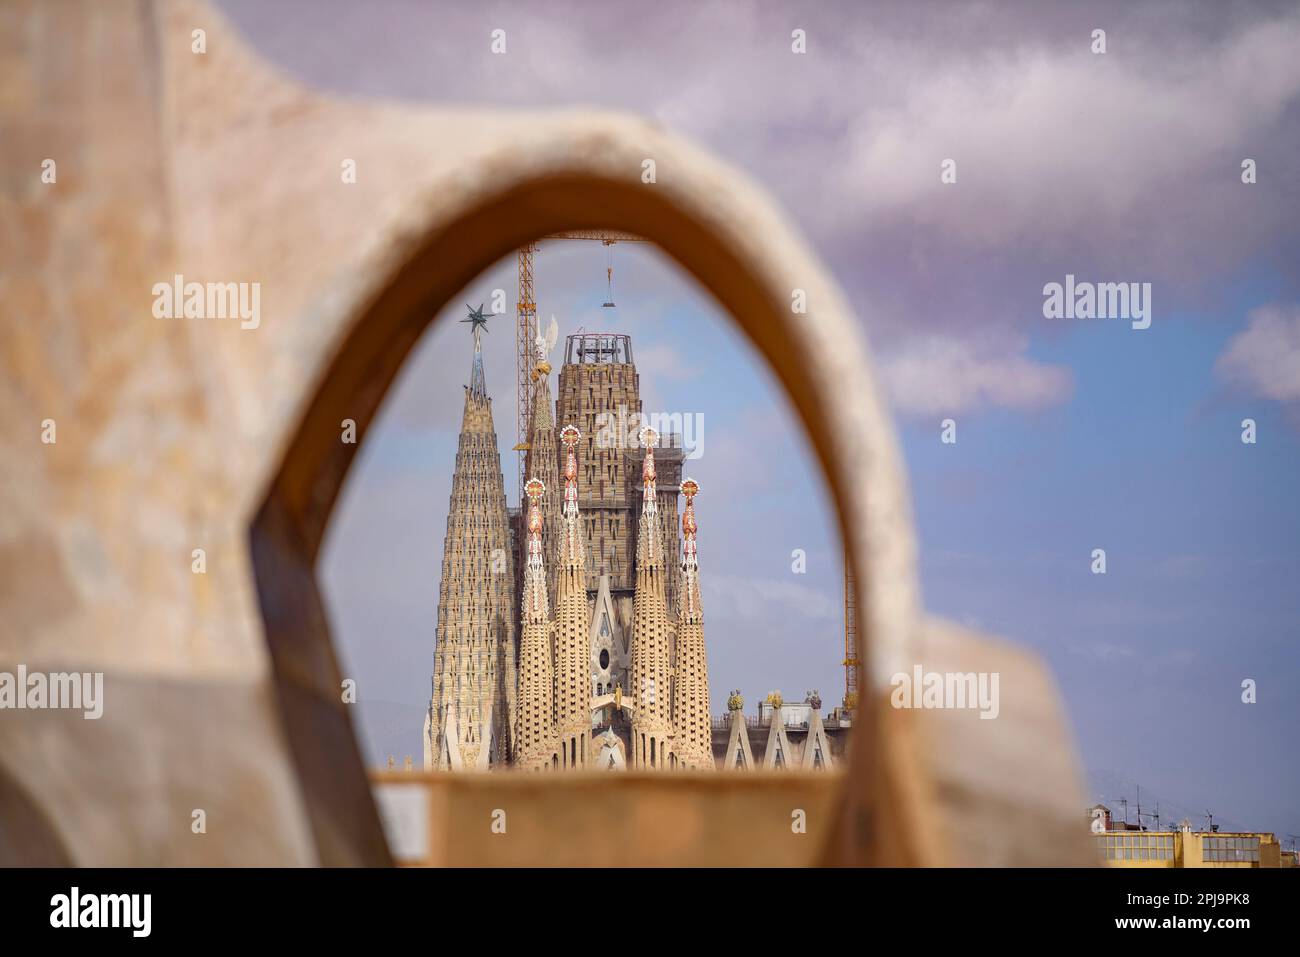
(630, 819)
(603, 397)
(173, 434)
(692, 719)
(652, 635)
(472, 707)
(536, 741)
(572, 625)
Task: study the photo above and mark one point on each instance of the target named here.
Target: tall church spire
(473, 684)
(692, 722)
(572, 641)
(652, 634)
(535, 743)
(540, 460)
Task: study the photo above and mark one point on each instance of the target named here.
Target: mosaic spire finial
(690, 554)
(650, 491)
(573, 537)
(535, 601)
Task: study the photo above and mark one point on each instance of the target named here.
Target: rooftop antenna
(1123, 802)
(1139, 804)
(1209, 822)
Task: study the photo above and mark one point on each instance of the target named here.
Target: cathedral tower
(535, 740)
(540, 458)
(692, 722)
(572, 622)
(468, 723)
(651, 631)
(600, 393)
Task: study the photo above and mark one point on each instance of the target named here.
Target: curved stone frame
(818, 356)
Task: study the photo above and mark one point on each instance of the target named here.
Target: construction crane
(526, 325)
(850, 638)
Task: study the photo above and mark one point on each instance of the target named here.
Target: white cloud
(1049, 137)
(662, 361)
(938, 375)
(1123, 165)
(1264, 358)
(761, 599)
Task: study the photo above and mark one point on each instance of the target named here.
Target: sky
(1072, 434)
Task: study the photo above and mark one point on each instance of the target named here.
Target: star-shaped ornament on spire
(477, 323)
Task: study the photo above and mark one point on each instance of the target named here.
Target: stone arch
(818, 356)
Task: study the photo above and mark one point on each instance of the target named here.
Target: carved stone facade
(536, 743)
(692, 721)
(652, 632)
(573, 694)
(468, 723)
(783, 737)
(600, 394)
(596, 592)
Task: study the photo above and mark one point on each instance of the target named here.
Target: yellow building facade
(1186, 848)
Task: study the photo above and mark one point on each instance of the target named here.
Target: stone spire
(778, 755)
(478, 322)
(572, 620)
(692, 722)
(469, 719)
(651, 631)
(540, 461)
(740, 756)
(535, 740)
(817, 747)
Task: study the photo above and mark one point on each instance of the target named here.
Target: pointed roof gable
(778, 753)
(604, 624)
(817, 746)
(739, 755)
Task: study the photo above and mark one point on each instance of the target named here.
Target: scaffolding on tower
(526, 326)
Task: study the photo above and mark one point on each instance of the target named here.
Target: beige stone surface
(633, 819)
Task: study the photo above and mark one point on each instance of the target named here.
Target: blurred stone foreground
(132, 440)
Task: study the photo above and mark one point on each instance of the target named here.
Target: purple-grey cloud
(1264, 358)
(1121, 166)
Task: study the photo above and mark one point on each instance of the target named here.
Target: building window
(1139, 846)
(1230, 849)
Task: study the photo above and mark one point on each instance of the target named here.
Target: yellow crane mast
(850, 637)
